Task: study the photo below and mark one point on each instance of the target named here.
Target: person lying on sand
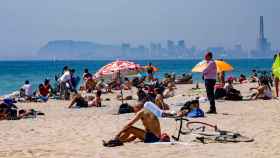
(9, 111)
(150, 134)
(83, 103)
(190, 109)
(120, 97)
(263, 90)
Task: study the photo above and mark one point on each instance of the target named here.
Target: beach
(64, 133)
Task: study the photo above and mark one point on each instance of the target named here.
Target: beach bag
(196, 112)
(125, 108)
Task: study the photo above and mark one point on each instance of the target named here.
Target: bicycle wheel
(202, 128)
(227, 136)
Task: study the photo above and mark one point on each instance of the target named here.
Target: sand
(78, 133)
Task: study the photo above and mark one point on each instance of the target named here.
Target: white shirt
(27, 89)
(65, 77)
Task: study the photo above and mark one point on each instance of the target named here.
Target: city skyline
(170, 49)
(28, 25)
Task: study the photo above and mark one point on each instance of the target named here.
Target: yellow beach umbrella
(221, 66)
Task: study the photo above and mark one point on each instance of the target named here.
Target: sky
(26, 25)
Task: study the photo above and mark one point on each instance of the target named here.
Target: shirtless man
(150, 134)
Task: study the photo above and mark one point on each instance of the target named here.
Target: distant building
(263, 47)
(181, 45)
(125, 47)
(237, 52)
(170, 46)
(219, 52)
(155, 49)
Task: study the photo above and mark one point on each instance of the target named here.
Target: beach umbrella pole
(121, 85)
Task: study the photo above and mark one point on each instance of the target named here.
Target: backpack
(125, 108)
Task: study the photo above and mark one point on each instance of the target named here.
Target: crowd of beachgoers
(151, 93)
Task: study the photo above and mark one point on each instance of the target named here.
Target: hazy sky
(26, 25)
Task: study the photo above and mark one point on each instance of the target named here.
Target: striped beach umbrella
(123, 67)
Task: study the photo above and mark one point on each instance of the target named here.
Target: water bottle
(153, 108)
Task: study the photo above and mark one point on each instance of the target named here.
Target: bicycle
(206, 132)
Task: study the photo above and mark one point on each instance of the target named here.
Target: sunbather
(83, 103)
(150, 134)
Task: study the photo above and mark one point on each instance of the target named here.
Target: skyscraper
(170, 46)
(181, 45)
(263, 46)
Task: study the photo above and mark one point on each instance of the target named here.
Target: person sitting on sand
(43, 93)
(150, 134)
(254, 76)
(231, 92)
(89, 82)
(263, 90)
(90, 85)
(27, 89)
(242, 78)
(86, 75)
(83, 103)
(159, 100)
(169, 92)
(127, 84)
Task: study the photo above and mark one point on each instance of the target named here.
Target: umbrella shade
(276, 67)
(123, 67)
(221, 66)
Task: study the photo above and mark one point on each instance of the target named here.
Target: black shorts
(150, 138)
(82, 104)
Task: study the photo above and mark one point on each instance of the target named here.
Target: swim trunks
(150, 138)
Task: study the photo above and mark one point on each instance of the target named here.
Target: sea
(14, 73)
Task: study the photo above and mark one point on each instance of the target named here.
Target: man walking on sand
(209, 76)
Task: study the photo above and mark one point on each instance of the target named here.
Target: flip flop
(112, 143)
